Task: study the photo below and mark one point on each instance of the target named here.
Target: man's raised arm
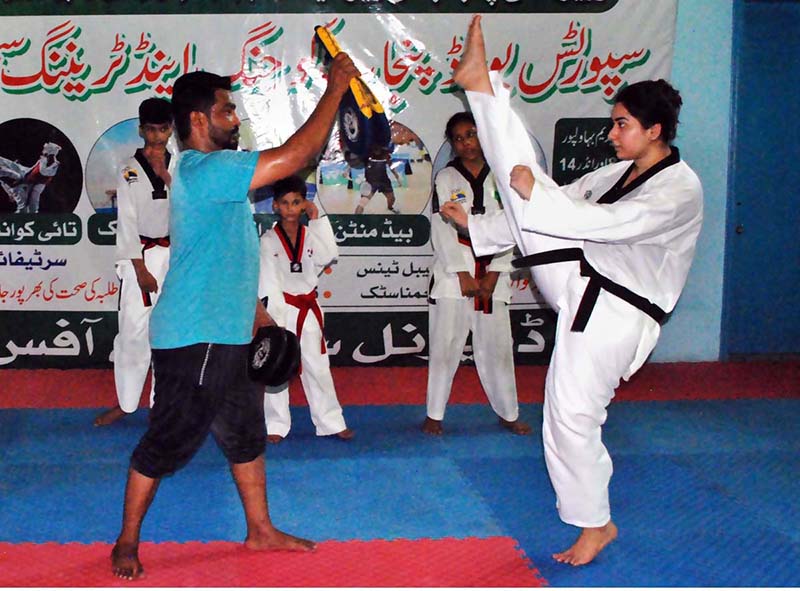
(306, 142)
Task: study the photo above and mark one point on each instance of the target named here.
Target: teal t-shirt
(210, 291)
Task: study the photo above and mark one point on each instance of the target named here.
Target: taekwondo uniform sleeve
(270, 279)
(324, 243)
(490, 234)
(649, 215)
(129, 245)
(444, 236)
(502, 260)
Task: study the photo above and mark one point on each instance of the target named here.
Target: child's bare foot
(471, 72)
(345, 435)
(125, 561)
(432, 427)
(516, 427)
(273, 539)
(112, 415)
(274, 439)
(588, 545)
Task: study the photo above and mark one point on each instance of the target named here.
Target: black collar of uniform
(155, 180)
(293, 250)
(618, 191)
(475, 182)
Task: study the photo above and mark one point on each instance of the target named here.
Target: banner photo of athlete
(71, 83)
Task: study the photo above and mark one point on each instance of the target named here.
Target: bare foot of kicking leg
(432, 426)
(345, 435)
(472, 73)
(516, 427)
(274, 439)
(112, 415)
(125, 561)
(588, 545)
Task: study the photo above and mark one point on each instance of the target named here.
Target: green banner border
(123, 7)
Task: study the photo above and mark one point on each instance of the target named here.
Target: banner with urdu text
(71, 80)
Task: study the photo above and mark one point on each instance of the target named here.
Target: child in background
(467, 292)
(292, 258)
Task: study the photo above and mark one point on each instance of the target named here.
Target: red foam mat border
(93, 388)
(472, 562)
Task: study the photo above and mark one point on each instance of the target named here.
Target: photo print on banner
(40, 171)
(399, 174)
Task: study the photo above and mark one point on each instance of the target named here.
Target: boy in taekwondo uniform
(142, 253)
(292, 257)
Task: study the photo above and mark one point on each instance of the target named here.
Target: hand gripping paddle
(362, 120)
(274, 356)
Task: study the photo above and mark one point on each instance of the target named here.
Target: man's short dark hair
(155, 110)
(195, 91)
(290, 184)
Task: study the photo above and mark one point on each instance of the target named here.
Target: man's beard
(226, 140)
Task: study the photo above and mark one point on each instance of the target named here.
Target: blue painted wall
(702, 72)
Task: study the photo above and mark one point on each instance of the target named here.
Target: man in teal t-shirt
(215, 250)
(209, 310)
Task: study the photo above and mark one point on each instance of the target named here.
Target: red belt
(147, 244)
(481, 265)
(304, 303)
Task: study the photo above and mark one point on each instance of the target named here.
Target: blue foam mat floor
(705, 493)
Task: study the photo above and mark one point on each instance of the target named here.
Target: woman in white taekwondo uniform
(292, 258)
(611, 252)
(469, 293)
(142, 253)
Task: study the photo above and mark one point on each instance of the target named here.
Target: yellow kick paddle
(361, 116)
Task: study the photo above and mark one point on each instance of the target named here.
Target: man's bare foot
(345, 435)
(274, 439)
(125, 561)
(471, 72)
(432, 426)
(112, 415)
(588, 545)
(516, 427)
(276, 540)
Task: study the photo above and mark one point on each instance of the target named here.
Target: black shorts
(382, 188)
(200, 389)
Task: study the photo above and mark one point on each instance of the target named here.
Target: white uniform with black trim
(283, 288)
(142, 210)
(451, 316)
(643, 241)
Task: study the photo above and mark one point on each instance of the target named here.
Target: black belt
(596, 283)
